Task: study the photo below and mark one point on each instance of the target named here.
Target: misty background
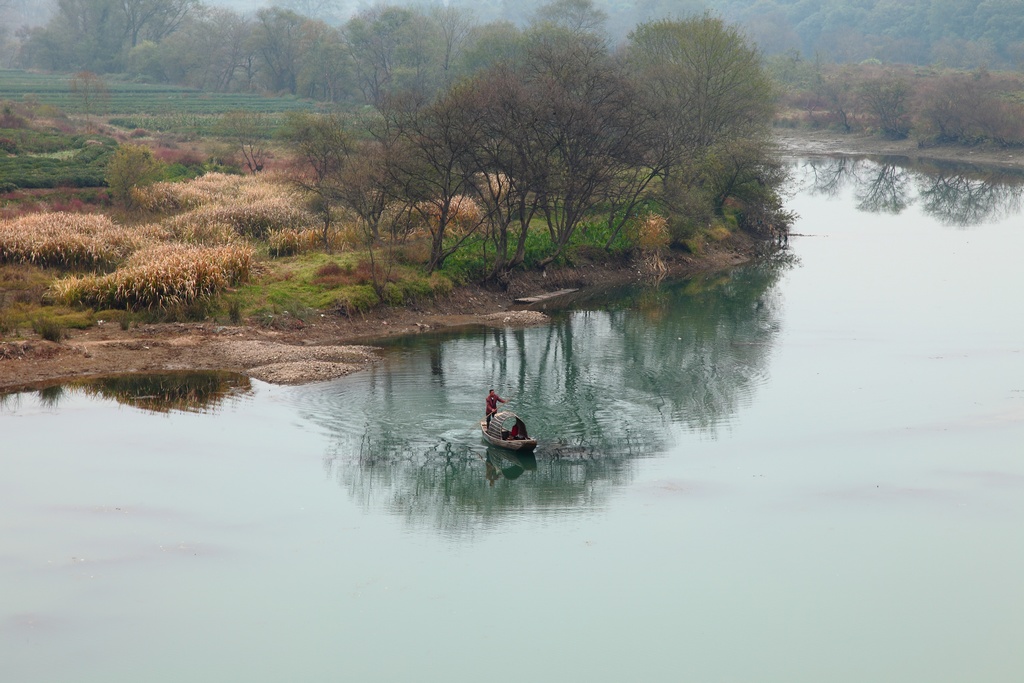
(952, 33)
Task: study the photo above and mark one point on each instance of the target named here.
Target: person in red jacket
(492, 404)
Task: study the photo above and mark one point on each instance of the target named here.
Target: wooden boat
(500, 430)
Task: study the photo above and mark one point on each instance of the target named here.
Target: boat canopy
(503, 421)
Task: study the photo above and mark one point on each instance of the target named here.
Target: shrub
(130, 167)
(333, 274)
(652, 232)
(356, 299)
(393, 295)
(235, 311)
(48, 329)
(8, 325)
(440, 285)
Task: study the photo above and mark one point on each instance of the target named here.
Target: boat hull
(525, 445)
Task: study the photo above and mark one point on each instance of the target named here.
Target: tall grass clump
(161, 278)
(289, 242)
(212, 188)
(196, 228)
(258, 220)
(70, 240)
(49, 329)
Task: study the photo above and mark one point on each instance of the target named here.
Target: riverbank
(805, 142)
(326, 345)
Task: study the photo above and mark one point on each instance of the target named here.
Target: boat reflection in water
(611, 380)
(509, 465)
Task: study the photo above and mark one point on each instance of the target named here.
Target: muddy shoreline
(802, 142)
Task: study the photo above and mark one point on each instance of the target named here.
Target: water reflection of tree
(830, 175)
(886, 189)
(159, 393)
(709, 350)
(601, 387)
(960, 195)
(956, 199)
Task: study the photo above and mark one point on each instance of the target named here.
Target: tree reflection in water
(955, 194)
(194, 392)
(607, 382)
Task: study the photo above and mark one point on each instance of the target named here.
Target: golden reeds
(289, 242)
(161, 277)
(652, 233)
(71, 240)
(464, 213)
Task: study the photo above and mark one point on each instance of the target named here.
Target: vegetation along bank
(254, 233)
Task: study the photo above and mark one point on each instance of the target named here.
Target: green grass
(127, 98)
(47, 160)
(586, 244)
(296, 287)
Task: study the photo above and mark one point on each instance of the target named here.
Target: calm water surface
(806, 470)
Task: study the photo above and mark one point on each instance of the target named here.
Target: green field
(126, 99)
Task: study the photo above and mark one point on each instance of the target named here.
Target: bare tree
(435, 169)
(586, 131)
(575, 16)
(153, 19)
(887, 98)
(455, 28)
(249, 131)
(323, 146)
(91, 91)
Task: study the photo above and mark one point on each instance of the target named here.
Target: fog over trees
(955, 33)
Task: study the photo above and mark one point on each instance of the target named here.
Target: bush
(48, 329)
(357, 299)
(393, 295)
(235, 311)
(131, 166)
(8, 325)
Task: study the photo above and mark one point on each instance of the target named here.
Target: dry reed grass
(161, 277)
(211, 188)
(217, 203)
(217, 223)
(71, 240)
(652, 233)
(289, 242)
(464, 214)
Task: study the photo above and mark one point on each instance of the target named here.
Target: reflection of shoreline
(193, 392)
(953, 194)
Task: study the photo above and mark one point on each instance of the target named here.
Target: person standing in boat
(492, 404)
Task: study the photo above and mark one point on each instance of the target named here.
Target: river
(808, 469)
